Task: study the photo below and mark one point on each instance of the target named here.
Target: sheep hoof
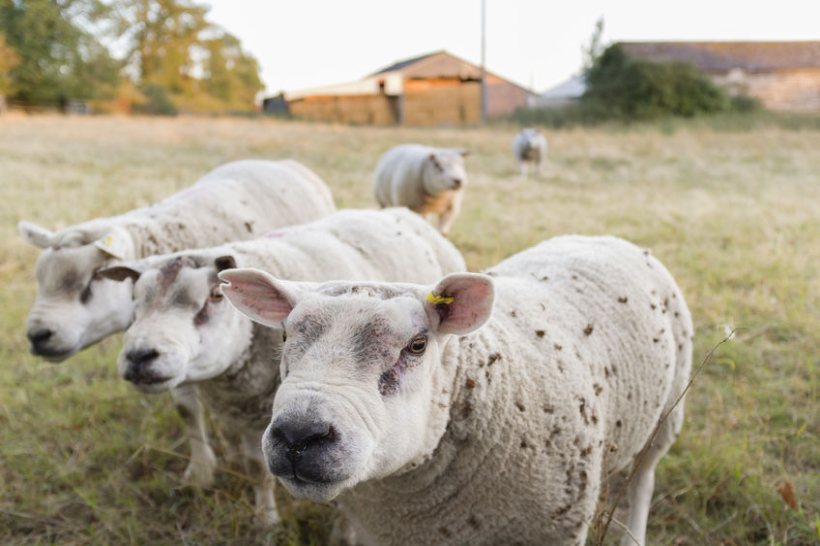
(268, 517)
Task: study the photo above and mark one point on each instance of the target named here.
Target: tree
(231, 75)
(620, 86)
(59, 58)
(176, 56)
(8, 60)
(595, 48)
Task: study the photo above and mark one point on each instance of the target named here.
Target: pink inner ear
(471, 307)
(259, 298)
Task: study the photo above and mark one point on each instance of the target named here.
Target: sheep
(184, 333)
(530, 147)
(487, 409)
(75, 307)
(429, 181)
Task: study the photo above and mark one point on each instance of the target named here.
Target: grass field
(85, 459)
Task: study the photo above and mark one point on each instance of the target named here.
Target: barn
(437, 89)
(784, 76)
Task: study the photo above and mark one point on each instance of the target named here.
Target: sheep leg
(200, 471)
(639, 492)
(523, 166)
(343, 533)
(453, 209)
(263, 481)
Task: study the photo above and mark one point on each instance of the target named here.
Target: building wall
(347, 109)
(503, 98)
(426, 102)
(441, 101)
(785, 90)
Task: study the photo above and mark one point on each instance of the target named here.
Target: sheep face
(444, 171)
(357, 369)
(74, 306)
(182, 329)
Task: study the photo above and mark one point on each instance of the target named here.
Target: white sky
(307, 43)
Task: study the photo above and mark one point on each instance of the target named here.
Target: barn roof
(430, 65)
(726, 56)
(398, 65)
(439, 63)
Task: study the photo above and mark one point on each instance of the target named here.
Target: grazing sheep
(429, 181)
(183, 332)
(530, 148)
(75, 307)
(429, 430)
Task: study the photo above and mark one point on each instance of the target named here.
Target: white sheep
(530, 149)
(184, 333)
(429, 181)
(428, 428)
(75, 307)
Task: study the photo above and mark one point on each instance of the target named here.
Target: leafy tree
(231, 75)
(176, 56)
(623, 87)
(595, 48)
(59, 58)
(8, 60)
(161, 35)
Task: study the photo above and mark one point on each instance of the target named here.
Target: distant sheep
(75, 307)
(429, 181)
(184, 333)
(486, 409)
(530, 150)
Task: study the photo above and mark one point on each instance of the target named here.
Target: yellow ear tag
(107, 241)
(435, 299)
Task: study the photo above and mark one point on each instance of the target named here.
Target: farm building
(782, 75)
(434, 89)
(566, 93)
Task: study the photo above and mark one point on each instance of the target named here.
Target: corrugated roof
(398, 65)
(437, 64)
(726, 56)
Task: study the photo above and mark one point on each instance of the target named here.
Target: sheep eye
(216, 295)
(85, 295)
(284, 336)
(418, 345)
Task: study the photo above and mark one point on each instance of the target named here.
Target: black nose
(39, 336)
(301, 449)
(457, 183)
(138, 370)
(301, 437)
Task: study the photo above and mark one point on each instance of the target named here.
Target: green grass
(735, 215)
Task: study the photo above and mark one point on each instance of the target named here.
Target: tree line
(149, 56)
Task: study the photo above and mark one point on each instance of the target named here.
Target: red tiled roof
(725, 56)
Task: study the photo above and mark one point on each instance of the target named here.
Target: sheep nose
(37, 337)
(300, 437)
(140, 357)
(138, 364)
(457, 182)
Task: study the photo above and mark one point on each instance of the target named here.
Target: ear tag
(112, 246)
(435, 299)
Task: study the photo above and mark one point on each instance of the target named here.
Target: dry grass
(734, 215)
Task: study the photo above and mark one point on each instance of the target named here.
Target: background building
(434, 89)
(782, 75)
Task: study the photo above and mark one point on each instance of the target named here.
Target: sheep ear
(434, 160)
(460, 303)
(121, 272)
(116, 244)
(36, 235)
(463, 152)
(258, 295)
